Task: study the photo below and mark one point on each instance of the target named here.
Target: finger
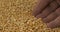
(48, 10)
(50, 17)
(41, 4)
(55, 23)
(58, 11)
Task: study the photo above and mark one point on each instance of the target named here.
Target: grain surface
(15, 16)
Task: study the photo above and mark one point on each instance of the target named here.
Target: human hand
(49, 11)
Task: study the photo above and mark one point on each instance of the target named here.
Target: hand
(49, 11)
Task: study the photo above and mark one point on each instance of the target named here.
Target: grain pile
(15, 16)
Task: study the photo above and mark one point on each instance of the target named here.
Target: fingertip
(40, 16)
(50, 26)
(45, 20)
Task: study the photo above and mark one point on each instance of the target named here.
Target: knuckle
(58, 1)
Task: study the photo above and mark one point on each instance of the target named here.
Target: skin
(49, 11)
